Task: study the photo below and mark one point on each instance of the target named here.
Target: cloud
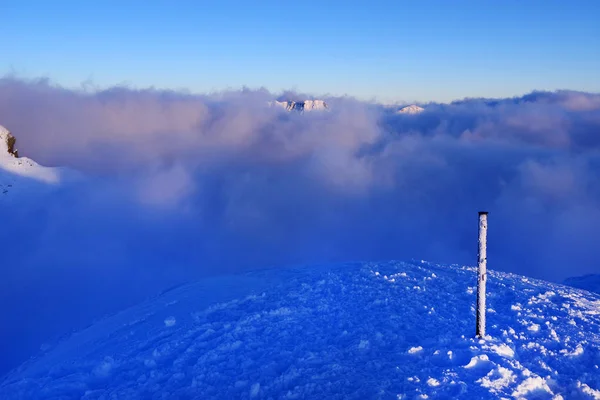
(182, 186)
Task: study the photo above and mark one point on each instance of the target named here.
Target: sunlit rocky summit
(19, 173)
(7, 142)
(301, 106)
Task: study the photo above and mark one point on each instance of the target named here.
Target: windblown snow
(353, 331)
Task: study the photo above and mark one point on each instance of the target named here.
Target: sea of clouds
(175, 186)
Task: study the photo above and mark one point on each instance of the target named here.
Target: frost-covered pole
(481, 273)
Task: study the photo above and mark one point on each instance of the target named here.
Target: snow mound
(412, 109)
(301, 106)
(353, 331)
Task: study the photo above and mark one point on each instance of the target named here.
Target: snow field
(359, 331)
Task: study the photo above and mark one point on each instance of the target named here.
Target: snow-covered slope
(21, 174)
(306, 105)
(412, 109)
(353, 331)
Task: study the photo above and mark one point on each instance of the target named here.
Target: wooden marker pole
(481, 274)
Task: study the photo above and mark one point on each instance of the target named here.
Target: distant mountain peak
(301, 106)
(412, 109)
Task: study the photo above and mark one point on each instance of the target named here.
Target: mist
(172, 187)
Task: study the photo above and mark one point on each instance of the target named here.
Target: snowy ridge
(20, 174)
(301, 106)
(412, 109)
(354, 331)
(589, 282)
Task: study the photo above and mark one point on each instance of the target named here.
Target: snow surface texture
(20, 174)
(353, 331)
(412, 109)
(301, 106)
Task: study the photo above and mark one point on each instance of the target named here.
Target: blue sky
(383, 50)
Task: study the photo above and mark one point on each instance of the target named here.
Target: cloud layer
(181, 186)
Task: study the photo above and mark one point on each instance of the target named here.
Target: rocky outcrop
(7, 142)
(20, 176)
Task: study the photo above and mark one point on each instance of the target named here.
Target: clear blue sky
(388, 50)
